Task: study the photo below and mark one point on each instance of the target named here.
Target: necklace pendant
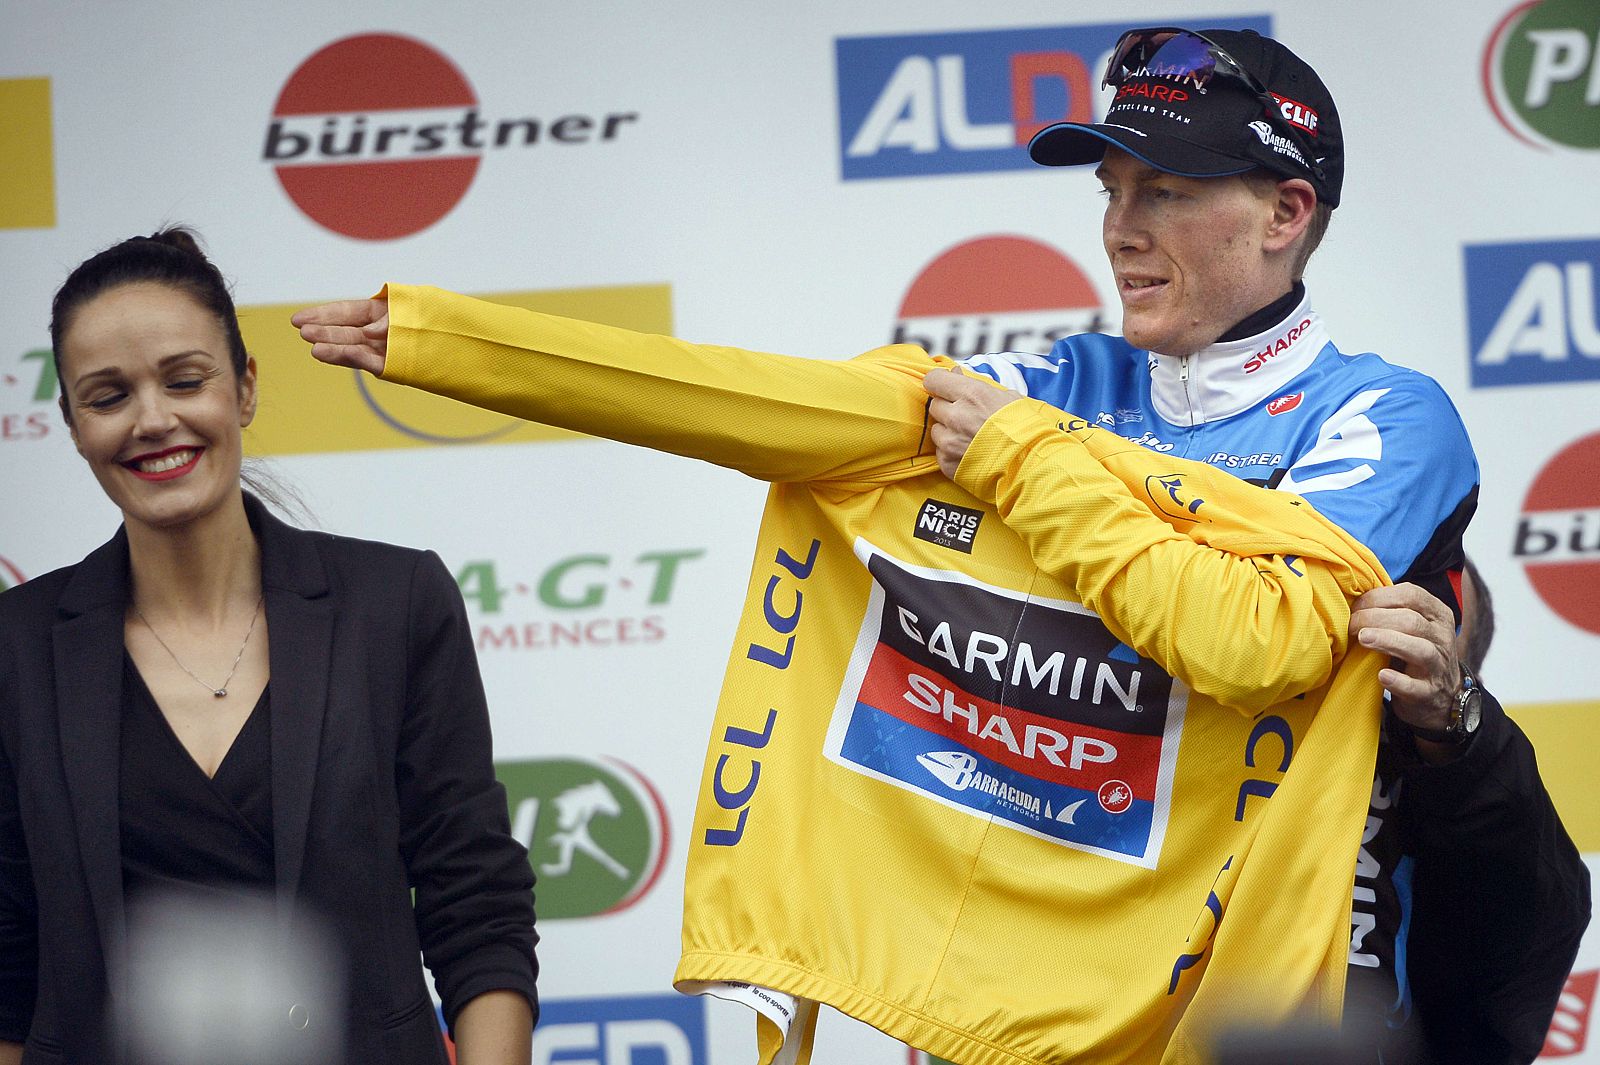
(220, 692)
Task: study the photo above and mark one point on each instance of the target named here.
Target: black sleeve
(1502, 898)
(474, 886)
(19, 920)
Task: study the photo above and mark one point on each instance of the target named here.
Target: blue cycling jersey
(1377, 448)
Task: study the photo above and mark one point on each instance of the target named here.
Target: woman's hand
(348, 333)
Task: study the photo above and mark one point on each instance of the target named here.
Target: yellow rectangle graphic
(306, 406)
(1566, 738)
(27, 155)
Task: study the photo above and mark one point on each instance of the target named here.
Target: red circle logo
(997, 293)
(375, 136)
(1115, 796)
(1558, 536)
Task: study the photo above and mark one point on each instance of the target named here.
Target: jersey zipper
(1183, 376)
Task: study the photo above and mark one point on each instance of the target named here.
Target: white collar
(1230, 377)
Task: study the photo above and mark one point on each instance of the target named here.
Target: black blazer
(382, 782)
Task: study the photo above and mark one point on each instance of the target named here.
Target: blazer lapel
(88, 646)
(300, 627)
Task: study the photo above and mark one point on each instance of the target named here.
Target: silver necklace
(219, 692)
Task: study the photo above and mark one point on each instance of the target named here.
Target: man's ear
(1296, 202)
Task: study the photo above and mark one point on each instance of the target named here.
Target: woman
(215, 705)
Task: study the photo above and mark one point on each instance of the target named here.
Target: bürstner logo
(999, 293)
(10, 575)
(379, 136)
(1558, 537)
(596, 832)
(1541, 73)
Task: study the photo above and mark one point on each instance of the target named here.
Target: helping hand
(348, 333)
(1418, 632)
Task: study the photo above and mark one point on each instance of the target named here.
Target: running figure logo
(596, 832)
(575, 808)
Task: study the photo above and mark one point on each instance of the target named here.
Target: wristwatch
(1465, 715)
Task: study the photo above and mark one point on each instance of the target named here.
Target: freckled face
(155, 404)
(1187, 253)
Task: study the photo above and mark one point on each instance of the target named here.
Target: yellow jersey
(1064, 760)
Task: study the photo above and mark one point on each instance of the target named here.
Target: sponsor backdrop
(816, 180)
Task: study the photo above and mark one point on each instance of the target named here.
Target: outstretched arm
(775, 417)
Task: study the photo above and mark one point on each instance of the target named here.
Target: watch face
(1471, 710)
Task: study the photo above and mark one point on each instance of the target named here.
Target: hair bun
(181, 238)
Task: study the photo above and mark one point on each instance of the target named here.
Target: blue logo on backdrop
(631, 1030)
(1531, 312)
(956, 103)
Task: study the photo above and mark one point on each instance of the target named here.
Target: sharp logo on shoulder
(997, 293)
(1541, 73)
(596, 832)
(1014, 708)
(1272, 351)
(1531, 312)
(622, 1030)
(324, 408)
(28, 178)
(968, 102)
(948, 525)
(379, 136)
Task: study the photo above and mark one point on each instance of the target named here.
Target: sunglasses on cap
(1170, 52)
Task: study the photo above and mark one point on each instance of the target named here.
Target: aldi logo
(969, 102)
(1023, 711)
(1531, 312)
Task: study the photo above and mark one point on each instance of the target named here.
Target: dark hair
(170, 257)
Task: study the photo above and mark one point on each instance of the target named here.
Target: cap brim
(1077, 143)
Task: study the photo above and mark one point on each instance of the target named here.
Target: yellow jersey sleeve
(775, 417)
(1249, 611)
